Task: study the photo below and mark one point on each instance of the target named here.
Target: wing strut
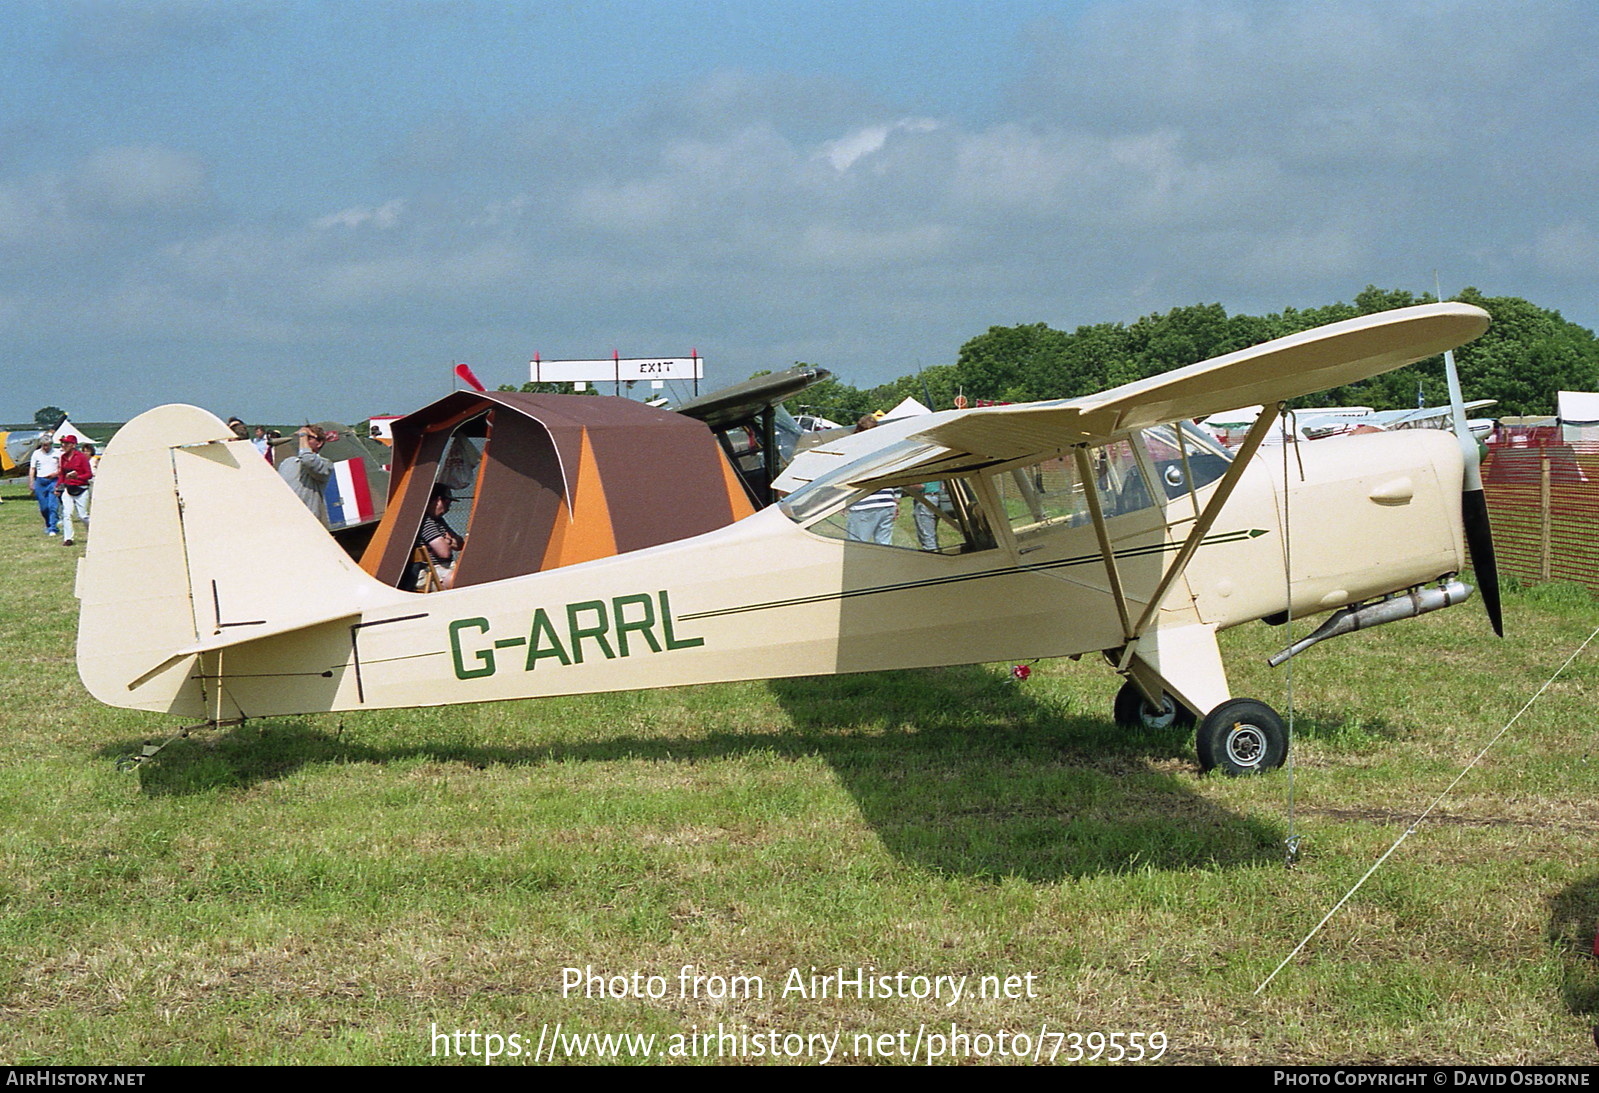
(1246, 452)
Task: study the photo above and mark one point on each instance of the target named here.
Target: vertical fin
(196, 541)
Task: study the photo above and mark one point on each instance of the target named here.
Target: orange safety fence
(1543, 502)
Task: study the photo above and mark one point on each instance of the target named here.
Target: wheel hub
(1246, 745)
(1159, 717)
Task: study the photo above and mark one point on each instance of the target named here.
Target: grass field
(338, 889)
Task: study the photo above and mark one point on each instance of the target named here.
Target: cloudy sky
(293, 209)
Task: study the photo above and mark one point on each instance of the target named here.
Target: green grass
(328, 889)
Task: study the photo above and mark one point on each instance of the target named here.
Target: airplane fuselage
(766, 597)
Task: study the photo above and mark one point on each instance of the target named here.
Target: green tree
(48, 417)
(1527, 356)
(1371, 299)
(1179, 337)
(934, 387)
(1007, 363)
(531, 388)
(1097, 357)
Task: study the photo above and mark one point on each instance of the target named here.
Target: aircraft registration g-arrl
(611, 546)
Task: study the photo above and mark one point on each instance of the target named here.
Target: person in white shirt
(43, 466)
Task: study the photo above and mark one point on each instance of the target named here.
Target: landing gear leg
(1134, 711)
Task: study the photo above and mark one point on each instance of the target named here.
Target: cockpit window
(1187, 461)
(1043, 496)
(940, 516)
(831, 490)
(937, 515)
(944, 515)
(1048, 496)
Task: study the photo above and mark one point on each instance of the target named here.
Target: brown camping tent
(554, 480)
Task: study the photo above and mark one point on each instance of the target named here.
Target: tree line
(1527, 355)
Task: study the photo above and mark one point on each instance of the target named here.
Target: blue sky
(290, 210)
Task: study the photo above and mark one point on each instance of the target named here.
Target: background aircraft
(751, 424)
(1318, 423)
(611, 546)
(17, 445)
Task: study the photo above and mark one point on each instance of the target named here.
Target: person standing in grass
(72, 487)
(43, 465)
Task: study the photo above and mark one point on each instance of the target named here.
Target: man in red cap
(72, 483)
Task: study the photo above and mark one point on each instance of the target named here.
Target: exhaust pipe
(1401, 605)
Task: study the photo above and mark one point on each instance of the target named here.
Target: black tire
(1133, 711)
(1242, 736)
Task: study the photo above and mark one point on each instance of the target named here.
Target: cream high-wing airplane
(610, 546)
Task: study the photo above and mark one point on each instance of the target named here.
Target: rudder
(197, 545)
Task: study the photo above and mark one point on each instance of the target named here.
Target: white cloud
(835, 245)
(451, 274)
(386, 215)
(1301, 256)
(90, 211)
(1355, 85)
(844, 151)
(34, 211)
(155, 30)
(847, 150)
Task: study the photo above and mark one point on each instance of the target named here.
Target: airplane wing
(850, 448)
(1424, 417)
(1274, 371)
(743, 402)
(15, 448)
(952, 441)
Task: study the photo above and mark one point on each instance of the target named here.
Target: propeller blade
(1480, 541)
(1474, 503)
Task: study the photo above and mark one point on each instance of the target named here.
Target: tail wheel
(1133, 711)
(1242, 736)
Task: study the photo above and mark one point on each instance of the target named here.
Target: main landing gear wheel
(1133, 711)
(1242, 736)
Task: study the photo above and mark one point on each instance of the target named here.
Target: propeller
(1473, 503)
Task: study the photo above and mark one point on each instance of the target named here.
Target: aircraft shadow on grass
(1573, 919)
(956, 769)
(962, 770)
